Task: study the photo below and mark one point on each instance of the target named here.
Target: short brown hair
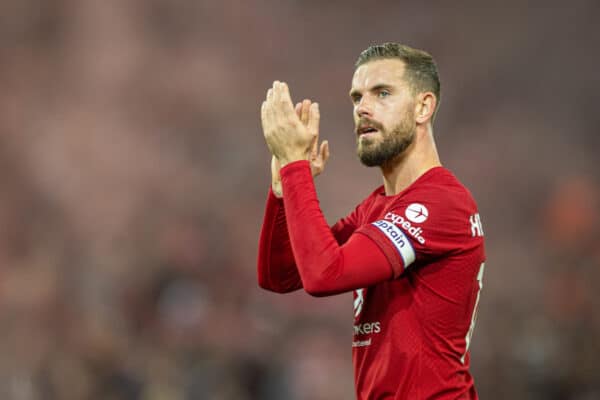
(421, 71)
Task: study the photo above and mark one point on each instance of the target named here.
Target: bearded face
(384, 111)
(377, 145)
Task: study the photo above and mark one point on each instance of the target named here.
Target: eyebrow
(375, 88)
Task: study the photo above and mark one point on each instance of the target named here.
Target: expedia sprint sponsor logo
(400, 221)
(399, 239)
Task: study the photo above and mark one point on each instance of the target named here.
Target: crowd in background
(133, 175)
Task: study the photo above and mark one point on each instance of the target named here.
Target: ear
(425, 107)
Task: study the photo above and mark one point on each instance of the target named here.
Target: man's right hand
(318, 156)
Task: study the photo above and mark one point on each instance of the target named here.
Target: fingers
(269, 98)
(279, 101)
(275, 90)
(281, 97)
(314, 147)
(324, 151)
(321, 154)
(284, 93)
(313, 119)
(266, 115)
(265, 109)
(302, 110)
(305, 111)
(283, 122)
(318, 161)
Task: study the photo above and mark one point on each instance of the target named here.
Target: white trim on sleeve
(399, 239)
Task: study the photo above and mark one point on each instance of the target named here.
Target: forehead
(377, 72)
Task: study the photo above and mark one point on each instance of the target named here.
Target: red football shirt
(420, 254)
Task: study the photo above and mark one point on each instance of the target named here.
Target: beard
(375, 153)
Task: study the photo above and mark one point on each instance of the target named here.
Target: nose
(364, 108)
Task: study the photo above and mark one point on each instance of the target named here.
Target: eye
(384, 93)
(356, 99)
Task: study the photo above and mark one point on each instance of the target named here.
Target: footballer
(412, 252)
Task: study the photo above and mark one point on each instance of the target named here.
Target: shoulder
(439, 212)
(438, 203)
(442, 191)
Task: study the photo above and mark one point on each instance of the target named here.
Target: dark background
(133, 175)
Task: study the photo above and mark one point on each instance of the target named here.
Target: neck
(417, 159)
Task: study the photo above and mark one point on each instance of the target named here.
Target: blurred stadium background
(133, 175)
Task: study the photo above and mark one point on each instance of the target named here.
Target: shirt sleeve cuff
(293, 167)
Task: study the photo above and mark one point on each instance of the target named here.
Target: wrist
(288, 159)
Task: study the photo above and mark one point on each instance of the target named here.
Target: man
(412, 251)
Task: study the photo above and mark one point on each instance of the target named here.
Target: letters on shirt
(399, 239)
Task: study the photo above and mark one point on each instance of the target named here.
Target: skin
(318, 155)
(383, 99)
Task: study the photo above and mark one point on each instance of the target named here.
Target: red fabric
(411, 332)
(276, 265)
(324, 266)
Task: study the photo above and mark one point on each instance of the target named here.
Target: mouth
(366, 131)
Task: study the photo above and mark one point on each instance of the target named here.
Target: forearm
(276, 266)
(324, 266)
